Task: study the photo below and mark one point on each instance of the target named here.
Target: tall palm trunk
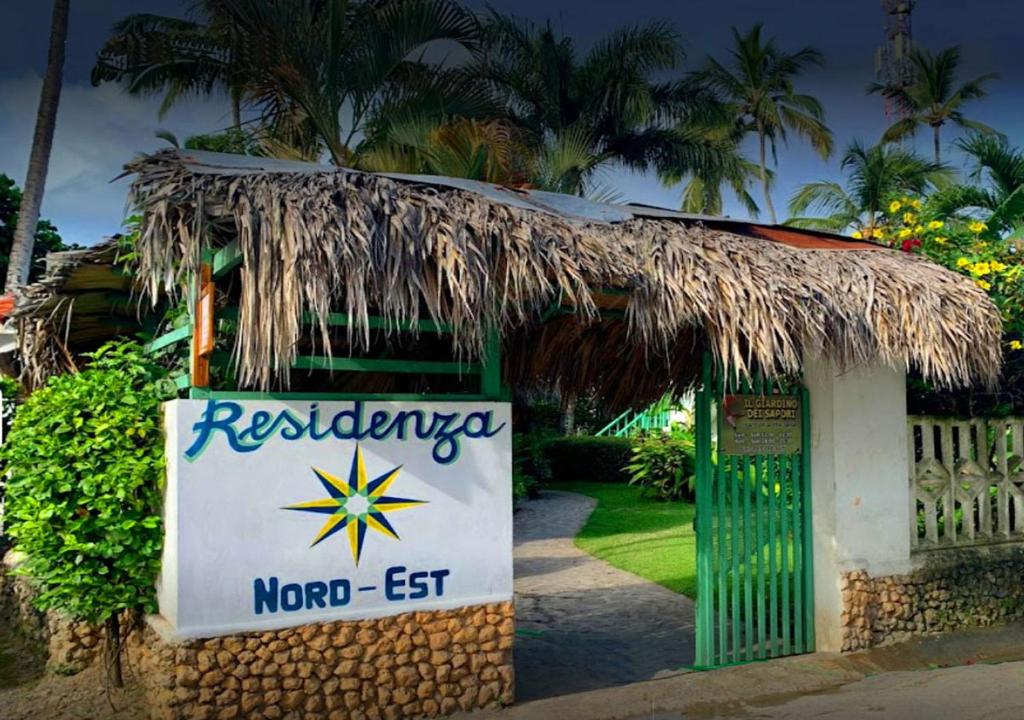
(42, 143)
(764, 174)
(236, 108)
(936, 145)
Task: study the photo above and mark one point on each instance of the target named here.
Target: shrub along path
(581, 623)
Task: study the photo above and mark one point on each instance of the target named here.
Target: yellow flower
(878, 233)
(905, 233)
(894, 206)
(979, 246)
(856, 234)
(979, 269)
(935, 224)
(962, 262)
(984, 284)
(916, 203)
(1016, 345)
(909, 218)
(919, 229)
(977, 226)
(997, 266)
(939, 240)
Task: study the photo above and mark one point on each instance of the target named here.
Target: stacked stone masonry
(71, 646)
(422, 664)
(953, 589)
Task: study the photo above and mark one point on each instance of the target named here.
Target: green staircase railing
(657, 416)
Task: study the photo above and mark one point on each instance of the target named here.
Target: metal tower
(893, 65)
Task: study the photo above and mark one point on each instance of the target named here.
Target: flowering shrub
(966, 246)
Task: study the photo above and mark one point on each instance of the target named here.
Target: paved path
(976, 692)
(581, 623)
(890, 682)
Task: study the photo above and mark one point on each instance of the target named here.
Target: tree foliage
(47, 239)
(581, 112)
(758, 84)
(873, 175)
(934, 99)
(85, 462)
(317, 74)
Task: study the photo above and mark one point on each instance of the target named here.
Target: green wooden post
(490, 378)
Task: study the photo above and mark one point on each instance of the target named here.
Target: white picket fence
(966, 480)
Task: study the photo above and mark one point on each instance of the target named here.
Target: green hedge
(589, 458)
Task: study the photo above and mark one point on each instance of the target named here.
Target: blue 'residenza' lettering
(248, 434)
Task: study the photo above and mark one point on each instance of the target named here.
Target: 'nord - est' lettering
(270, 595)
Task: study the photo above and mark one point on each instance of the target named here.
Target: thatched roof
(83, 299)
(316, 239)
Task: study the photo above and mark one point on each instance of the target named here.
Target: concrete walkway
(975, 674)
(582, 624)
(975, 692)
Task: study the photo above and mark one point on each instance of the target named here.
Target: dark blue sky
(99, 129)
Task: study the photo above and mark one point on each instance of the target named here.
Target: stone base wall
(952, 590)
(411, 665)
(71, 646)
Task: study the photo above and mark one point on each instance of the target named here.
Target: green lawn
(647, 537)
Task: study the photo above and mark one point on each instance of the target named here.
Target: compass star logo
(356, 504)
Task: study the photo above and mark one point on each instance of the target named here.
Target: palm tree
(42, 143)
(758, 85)
(485, 150)
(316, 72)
(494, 151)
(873, 175)
(150, 54)
(996, 188)
(933, 98)
(337, 64)
(584, 112)
(702, 193)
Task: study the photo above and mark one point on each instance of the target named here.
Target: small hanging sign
(759, 425)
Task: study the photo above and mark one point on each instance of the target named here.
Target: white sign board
(285, 513)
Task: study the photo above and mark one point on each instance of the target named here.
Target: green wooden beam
(183, 381)
(227, 258)
(342, 320)
(203, 393)
(174, 336)
(379, 323)
(320, 362)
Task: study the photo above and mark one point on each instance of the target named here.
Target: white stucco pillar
(860, 491)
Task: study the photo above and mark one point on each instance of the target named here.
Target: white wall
(861, 493)
(253, 484)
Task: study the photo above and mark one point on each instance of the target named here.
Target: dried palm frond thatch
(317, 239)
(77, 300)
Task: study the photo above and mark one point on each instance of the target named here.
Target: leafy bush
(664, 464)
(530, 465)
(589, 458)
(85, 458)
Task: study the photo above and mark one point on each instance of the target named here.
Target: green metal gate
(755, 591)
